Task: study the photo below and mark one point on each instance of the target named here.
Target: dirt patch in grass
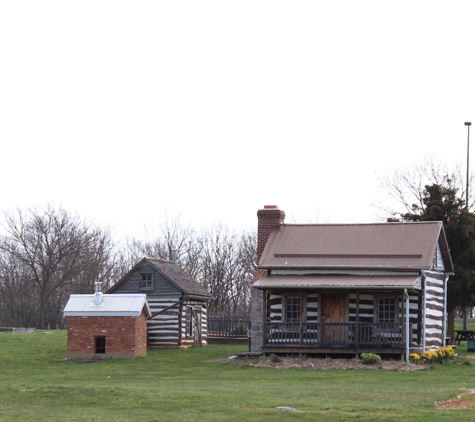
(309, 363)
(464, 401)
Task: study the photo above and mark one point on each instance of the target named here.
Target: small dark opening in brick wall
(100, 344)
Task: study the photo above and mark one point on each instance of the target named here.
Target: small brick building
(107, 326)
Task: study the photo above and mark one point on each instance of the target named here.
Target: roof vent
(97, 294)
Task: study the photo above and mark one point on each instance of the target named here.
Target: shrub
(275, 358)
(370, 358)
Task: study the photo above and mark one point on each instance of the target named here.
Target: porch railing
(327, 334)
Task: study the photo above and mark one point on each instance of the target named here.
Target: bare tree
(307, 217)
(57, 253)
(223, 261)
(17, 295)
(172, 235)
(48, 254)
(247, 268)
(430, 191)
(226, 268)
(405, 186)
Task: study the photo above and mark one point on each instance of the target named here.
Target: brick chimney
(268, 219)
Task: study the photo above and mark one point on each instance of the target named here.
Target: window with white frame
(146, 281)
(292, 309)
(387, 309)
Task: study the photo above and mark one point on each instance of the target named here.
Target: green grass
(38, 383)
(470, 325)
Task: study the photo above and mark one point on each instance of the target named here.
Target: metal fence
(228, 326)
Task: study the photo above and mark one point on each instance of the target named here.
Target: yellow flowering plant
(433, 356)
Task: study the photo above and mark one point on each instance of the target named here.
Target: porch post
(357, 328)
(444, 320)
(406, 296)
(301, 320)
(264, 317)
(424, 311)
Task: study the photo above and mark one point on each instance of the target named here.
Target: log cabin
(329, 289)
(177, 302)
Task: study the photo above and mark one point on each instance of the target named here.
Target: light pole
(468, 124)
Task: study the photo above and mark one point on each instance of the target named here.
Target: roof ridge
(394, 223)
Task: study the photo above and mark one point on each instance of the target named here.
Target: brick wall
(125, 336)
(141, 335)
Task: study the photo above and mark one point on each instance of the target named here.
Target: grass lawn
(470, 325)
(37, 383)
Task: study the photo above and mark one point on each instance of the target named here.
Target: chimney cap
(271, 207)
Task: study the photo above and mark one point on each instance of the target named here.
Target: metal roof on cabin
(111, 305)
(377, 245)
(183, 281)
(340, 281)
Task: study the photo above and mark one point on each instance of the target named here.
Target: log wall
(435, 309)
(164, 329)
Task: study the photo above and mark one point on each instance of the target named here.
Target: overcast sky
(124, 110)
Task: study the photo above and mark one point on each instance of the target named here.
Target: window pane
(292, 309)
(146, 281)
(387, 309)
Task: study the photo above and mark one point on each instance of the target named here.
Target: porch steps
(185, 344)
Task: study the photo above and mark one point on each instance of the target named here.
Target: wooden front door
(333, 312)
(197, 331)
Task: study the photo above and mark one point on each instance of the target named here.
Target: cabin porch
(331, 321)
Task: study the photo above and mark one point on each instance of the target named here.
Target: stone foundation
(257, 317)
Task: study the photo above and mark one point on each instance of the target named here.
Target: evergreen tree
(442, 203)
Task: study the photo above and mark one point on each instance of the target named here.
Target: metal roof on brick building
(111, 305)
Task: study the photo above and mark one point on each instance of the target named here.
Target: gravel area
(309, 363)
(462, 402)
